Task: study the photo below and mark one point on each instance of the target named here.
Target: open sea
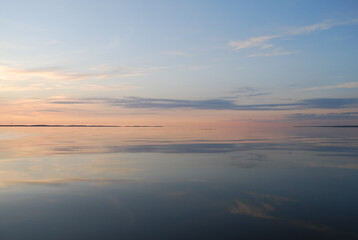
(178, 183)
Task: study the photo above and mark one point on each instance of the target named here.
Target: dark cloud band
(215, 104)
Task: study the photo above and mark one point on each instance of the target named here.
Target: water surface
(171, 183)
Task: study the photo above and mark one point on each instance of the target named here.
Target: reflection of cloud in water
(206, 148)
(261, 211)
(248, 154)
(95, 181)
(85, 141)
(264, 210)
(244, 155)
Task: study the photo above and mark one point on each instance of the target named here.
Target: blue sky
(238, 53)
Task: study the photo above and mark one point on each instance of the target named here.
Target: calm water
(168, 183)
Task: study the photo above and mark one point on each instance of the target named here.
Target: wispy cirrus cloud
(276, 52)
(16, 88)
(41, 86)
(342, 85)
(60, 74)
(248, 92)
(17, 79)
(10, 73)
(245, 90)
(322, 26)
(262, 42)
(253, 42)
(118, 86)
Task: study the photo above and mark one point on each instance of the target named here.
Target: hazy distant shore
(338, 126)
(44, 125)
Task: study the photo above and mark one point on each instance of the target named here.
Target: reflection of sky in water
(176, 183)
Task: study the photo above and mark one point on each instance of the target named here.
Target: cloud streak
(342, 85)
(253, 42)
(213, 104)
(59, 74)
(9, 73)
(276, 52)
(328, 116)
(262, 42)
(322, 26)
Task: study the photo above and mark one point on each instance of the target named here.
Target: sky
(190, 63)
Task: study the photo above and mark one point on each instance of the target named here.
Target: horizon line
(72, 125)
(333, 126)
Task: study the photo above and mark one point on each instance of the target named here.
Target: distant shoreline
(338, 126)
(45, 125)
